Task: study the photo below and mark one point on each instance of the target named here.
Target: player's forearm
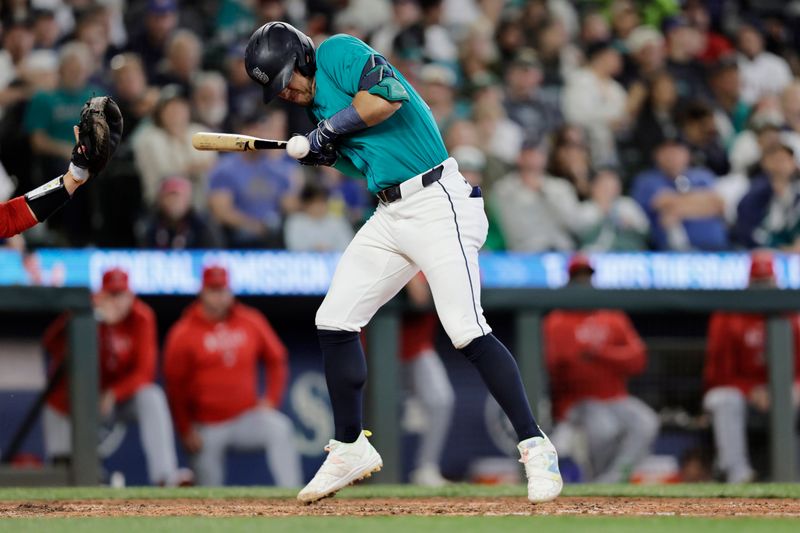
(373, 109)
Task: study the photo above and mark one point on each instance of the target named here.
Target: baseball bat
(233, 142)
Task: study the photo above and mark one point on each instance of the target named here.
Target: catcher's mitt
(99, 133)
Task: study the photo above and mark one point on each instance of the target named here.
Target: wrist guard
(47, 199)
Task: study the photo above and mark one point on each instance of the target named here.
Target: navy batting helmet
(273, 52)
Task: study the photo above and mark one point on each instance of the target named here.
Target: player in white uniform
(373, 124)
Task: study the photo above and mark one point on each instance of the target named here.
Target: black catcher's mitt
(99, 133)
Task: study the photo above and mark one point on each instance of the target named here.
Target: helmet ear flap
(306, 59)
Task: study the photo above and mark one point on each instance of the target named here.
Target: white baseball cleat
(541, 468)
(347, 462)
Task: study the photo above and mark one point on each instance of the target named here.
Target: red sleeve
(177, 369)
(559, 345)
(54, 338)
(721, 353)
(15, 216)
(275, 356)
(796, 331)
(627, 353)
(146, 348)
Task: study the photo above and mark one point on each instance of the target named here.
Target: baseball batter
(372, 124)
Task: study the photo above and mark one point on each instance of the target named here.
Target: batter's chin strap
(378, 78)
(47, 199)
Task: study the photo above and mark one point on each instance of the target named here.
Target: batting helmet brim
(278, 83)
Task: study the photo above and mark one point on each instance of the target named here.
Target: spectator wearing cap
(684, 46)
(523, 102)
(608, 221)
(684, 210)
(174, 224)
(699, 129)
(536, 212)
(164, 148)
(596, 102)
(211, 362)
(251, 192)
(590, 357)
(735, 375)
(182, 61)
(769, 214)
(645, 46)
(128, 352)
(314, 228)
(150, 42)
(438, 89)
(762, 72)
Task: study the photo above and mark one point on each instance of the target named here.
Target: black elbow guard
(47, 199)
(378, 78)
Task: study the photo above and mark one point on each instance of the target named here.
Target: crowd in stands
(592, 125)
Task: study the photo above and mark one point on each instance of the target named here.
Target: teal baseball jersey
(404, 145)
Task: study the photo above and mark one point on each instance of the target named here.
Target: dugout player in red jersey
(128, 352)
(210, 366)
(97, 136)
(590, 357)
(736, 375)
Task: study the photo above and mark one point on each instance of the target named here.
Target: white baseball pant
(256, 429)
(438, 229)
(148, 407)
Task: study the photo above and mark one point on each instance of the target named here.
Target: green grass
(459, 524)
(762, 490)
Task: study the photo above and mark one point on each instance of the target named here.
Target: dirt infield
(717, 507)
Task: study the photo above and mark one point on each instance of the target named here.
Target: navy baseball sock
(501, 374)
(345, 374)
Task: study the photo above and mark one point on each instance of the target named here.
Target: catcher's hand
(98, 134)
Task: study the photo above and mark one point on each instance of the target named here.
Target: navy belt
(392, 194)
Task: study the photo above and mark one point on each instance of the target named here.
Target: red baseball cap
(761, 266)
(215, 277)
(115, 280)
(579, 263)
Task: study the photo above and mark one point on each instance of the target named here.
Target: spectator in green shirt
(51, 114)
(49, 120)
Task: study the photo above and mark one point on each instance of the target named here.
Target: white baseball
(298, 147)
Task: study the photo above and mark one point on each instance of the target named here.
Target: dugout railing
(528, 307)
(82, 371)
